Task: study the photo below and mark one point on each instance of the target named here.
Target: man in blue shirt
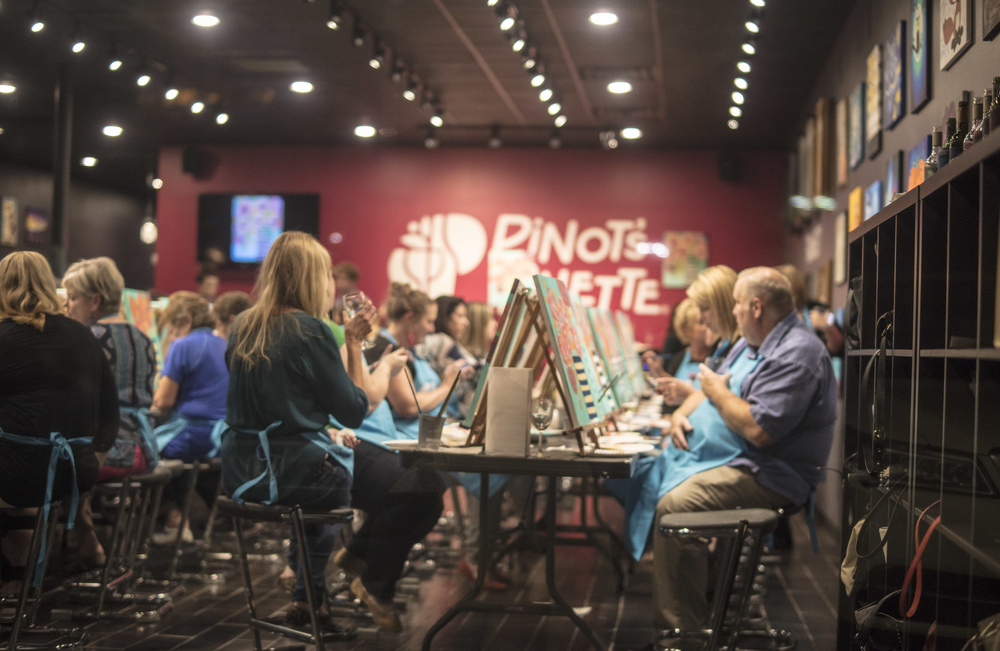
(780, 417)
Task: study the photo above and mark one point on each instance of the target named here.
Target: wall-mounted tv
(236, 230)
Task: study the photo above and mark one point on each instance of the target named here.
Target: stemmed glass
(541, 418)
(353, 303)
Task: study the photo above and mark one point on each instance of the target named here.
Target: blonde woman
(286, 378)
(695, 335)
(712, 292)
(53, 378)
(482, 328)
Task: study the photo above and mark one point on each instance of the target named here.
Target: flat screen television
(235, 231)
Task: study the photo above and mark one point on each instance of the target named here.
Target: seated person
(757, 435)
(192, 391)
(225, 310)
(54, 377)
(442, 348)
(695, 336)
(93, 297)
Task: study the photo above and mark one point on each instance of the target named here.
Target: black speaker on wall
(199, 163)
(729, 168)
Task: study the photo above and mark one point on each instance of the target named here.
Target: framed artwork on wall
(873, 199)
(856, 126)
(686, 258)
(991, 19)
(893, 177)
(842, 121)
(36, 228)
(807, 145)
(954, 29)
(840, 249)
(855, 208)
(915, 162)
(919, 56)
(873, 103)
(8, 222)
(894, 76)
(822, 150)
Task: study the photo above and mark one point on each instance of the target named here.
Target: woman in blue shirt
(694, 335)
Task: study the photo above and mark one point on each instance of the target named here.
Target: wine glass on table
(353, 303)
(541, 418)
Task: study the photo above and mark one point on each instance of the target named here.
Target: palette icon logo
(436, 251)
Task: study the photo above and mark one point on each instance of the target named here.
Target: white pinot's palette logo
(436, 250)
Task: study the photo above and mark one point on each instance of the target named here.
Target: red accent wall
(372, 197)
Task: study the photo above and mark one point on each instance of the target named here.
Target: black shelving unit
(931, 258)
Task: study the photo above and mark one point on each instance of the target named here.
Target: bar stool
(743, 532)
(136, 496)
(298, 517)
(200, 546)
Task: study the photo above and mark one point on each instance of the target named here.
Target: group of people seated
(299, 399)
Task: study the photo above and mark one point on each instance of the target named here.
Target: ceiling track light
(750, 46)
(740, 83)
(35, 19)
(336, 16)
(78, 44)
(378, 55)
(358, 34)
(555, 140)
(7, 86)
(205, 19)
(631, 133)
(743, 67)
(545, 95)
(757, 3)
(560, 120)
(410, 94)
(495, 142)
(143, 79)
(554, 108)
(198, 107)
(171, 94)
(398, 70)
(221, 118)
(431, 141)
(609, 139)
(438, 118)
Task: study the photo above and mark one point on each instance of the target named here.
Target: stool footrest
(281, 513)
(709, 522)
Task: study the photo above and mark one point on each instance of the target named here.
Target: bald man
(772, 406)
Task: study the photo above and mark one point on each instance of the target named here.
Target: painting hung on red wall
(573, 361)
(954, 22)
(991, 19)
(687, 256)
(8, 222)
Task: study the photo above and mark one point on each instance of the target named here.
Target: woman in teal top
(411, 314)
(286, 378)
(694, 334)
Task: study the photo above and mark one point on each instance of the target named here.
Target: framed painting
(807, 159)
(894, 76)
(856, 126)
(954, 30)
(840, 249)
(823, 148)
(573, 362)
(841, 139)
(855, 208)
(8, 222)
(873, 199)
(915, 160)
(893, 177)
(991, 19)
(919, 56)
(687, 256)
(873, 103)
(36, 228)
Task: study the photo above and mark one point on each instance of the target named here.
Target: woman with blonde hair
(681, 381)
(286, 378)
(53, 378)
(712, 292)
(482, 328)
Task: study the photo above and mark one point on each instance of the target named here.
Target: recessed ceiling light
(749, 48)
(1, 131)
(735, 111)
(631, 133)
(752, 26)
(336, 17)
(222, 118)
(171, 93)
(733, 124)
(156, 183)
(740, 83)
(6, 87)
(148, 232)
(545, 95)
(603, 18)
(491, 3)
(560, 120)
(743, 66)
(301, 86)
(554, 108)
(142, 80)
(537, 80)
(197, 107)
(364, 131)
(115, 64)
(437, 120)
(112, 130)
(507, 23)
(205, 20)
(619, 87)
(37, 26)
(757, 3)
(78, 47)
(737, 97)
(88, 161)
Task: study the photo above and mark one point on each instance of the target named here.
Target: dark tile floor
(801, 599)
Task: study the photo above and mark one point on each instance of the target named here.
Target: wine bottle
(987, 107)
(944, 156)
(931, 164)
(995, 107)
(957, 141)
(976, 130)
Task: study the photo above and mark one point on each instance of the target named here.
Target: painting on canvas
(894, 76)
(915, 163)
(919, 59)
(687, 256)
(856, 126)
(873, 103)
(954, 30)
(873, 199)
(855, 208)
(842, 120)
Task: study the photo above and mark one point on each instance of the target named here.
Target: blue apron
(377, 427)
(169, 430)
(61, 449)
(342, 455)
(712, 444)
(685, 370)
(147, 437)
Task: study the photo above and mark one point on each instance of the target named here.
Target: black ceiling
(244, 66)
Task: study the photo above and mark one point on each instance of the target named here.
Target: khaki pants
(680, 565)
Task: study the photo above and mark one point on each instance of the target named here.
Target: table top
(554, 463)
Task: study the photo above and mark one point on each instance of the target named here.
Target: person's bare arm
(400, 395)
(735, 411)
(166, 395)
(355, 331)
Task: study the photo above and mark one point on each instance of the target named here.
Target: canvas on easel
(137, 309)
(607, 346)
(604, 373)
(629, 349)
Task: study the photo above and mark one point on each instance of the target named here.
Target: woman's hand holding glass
(674, 391)
(356, 305)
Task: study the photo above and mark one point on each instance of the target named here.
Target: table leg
(550, 567)
(484, 555)
(615, 561)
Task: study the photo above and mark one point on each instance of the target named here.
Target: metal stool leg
(247, 582)
(34, 549)
(306, 568)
